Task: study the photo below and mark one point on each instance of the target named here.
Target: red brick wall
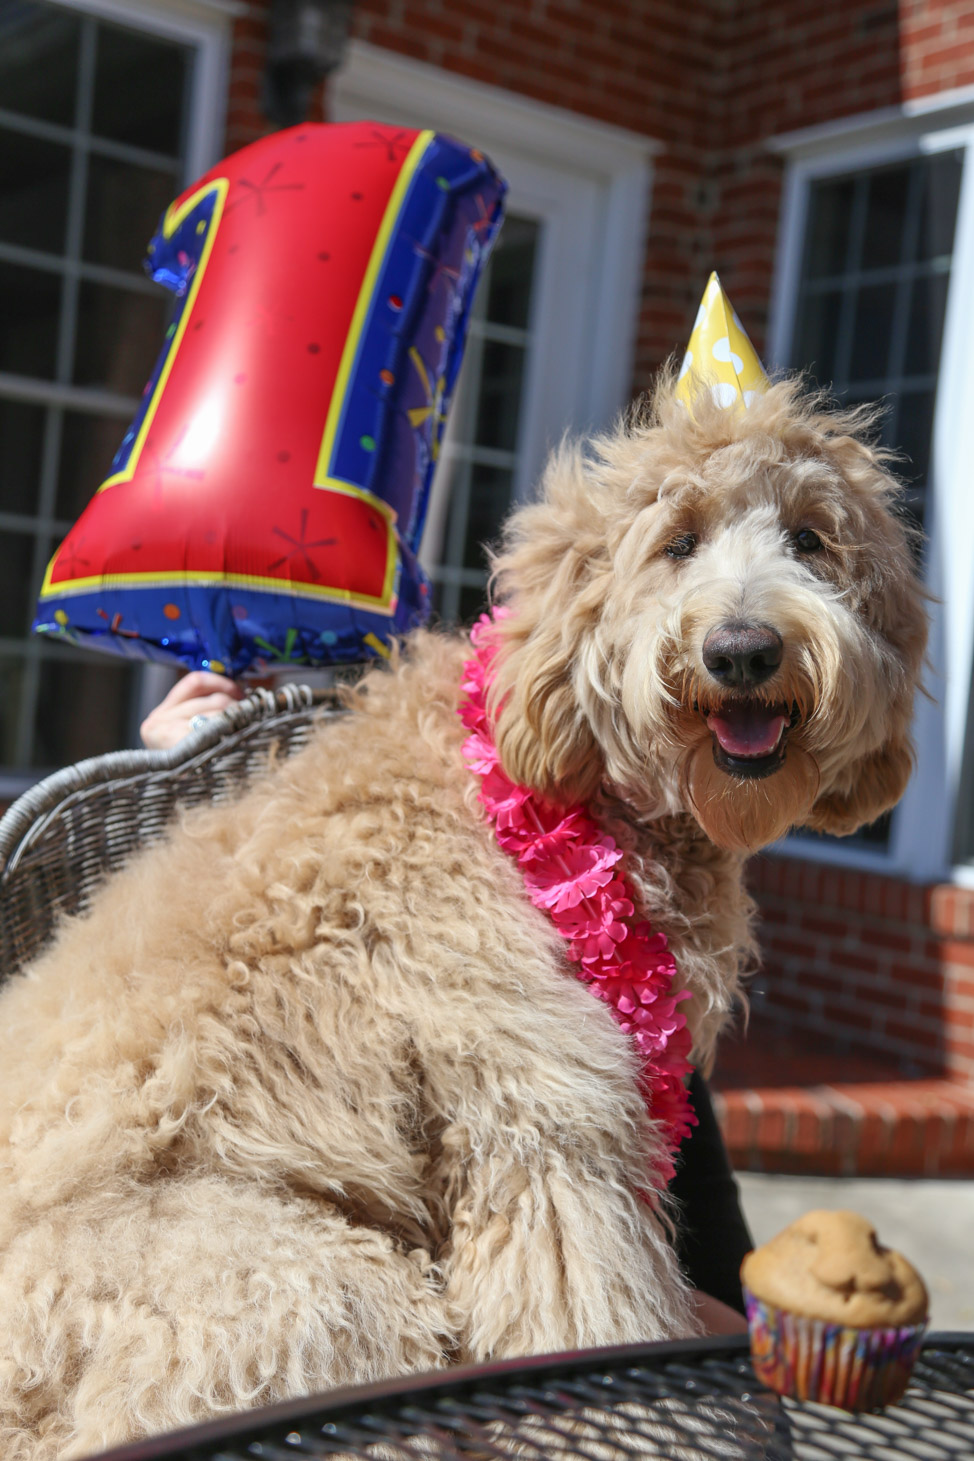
(883, 964)
(245, 120)
(937, 45)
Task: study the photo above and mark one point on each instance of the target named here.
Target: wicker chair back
(61, 839)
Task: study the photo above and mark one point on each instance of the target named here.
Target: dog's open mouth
(749, 735)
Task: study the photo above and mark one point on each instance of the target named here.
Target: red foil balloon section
(267, 501)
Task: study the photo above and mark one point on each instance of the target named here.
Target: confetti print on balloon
(418, 415)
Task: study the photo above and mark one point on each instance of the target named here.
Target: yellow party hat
(720, 357)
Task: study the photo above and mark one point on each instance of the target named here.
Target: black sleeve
(713, 1235)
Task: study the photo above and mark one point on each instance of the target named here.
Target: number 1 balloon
(267, 501)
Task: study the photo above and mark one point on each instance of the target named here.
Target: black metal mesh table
(690, 1401)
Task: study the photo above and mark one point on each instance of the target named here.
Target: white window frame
(206, 25)
(588, 185)
(920, 845)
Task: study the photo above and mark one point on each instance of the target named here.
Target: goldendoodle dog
(313, 1094)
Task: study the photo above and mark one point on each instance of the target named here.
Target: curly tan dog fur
(310, 1096)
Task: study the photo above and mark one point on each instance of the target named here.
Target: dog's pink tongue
(748, 730)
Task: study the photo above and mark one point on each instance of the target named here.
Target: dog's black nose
(741, 655)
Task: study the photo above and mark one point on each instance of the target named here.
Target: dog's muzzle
(749, 732)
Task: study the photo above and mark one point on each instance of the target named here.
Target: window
(874, 293)
(871, 304)
(96, 130)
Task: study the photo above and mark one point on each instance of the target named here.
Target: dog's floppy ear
(550, 572)
(872, 786)
(542, 736)
(893, 607)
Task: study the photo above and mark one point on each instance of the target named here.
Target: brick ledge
(907, 1128)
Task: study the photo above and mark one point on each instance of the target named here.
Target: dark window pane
(511, 274)
(39, 60)
(938, 206)
(499, 406)
(876, 834)
(98, 691)
(88, 444)
(885, 217)
(28, 320)
(459, 605)
(34, 179)
(11, 683)
(21, 442)
(830, 213)
(926, 327)
(119, 337)
(817, 334)
(139, 87)
(912, 432)
(473, 602)
(16, 562)
(122, 211)
(871, 332)
(490, 498)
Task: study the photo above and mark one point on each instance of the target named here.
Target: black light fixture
(306, 40)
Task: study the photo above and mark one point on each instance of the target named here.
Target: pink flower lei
(572, 871)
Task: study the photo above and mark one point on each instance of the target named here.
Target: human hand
(199, 693)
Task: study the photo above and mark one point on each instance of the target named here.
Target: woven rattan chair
(60, 840)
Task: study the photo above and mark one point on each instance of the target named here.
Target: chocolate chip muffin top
(831, 1266)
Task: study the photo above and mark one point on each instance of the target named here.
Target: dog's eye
(807, 542)
(682, 546)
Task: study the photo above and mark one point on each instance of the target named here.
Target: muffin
(833, 1315)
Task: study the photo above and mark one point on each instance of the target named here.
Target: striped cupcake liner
(833, 1364)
